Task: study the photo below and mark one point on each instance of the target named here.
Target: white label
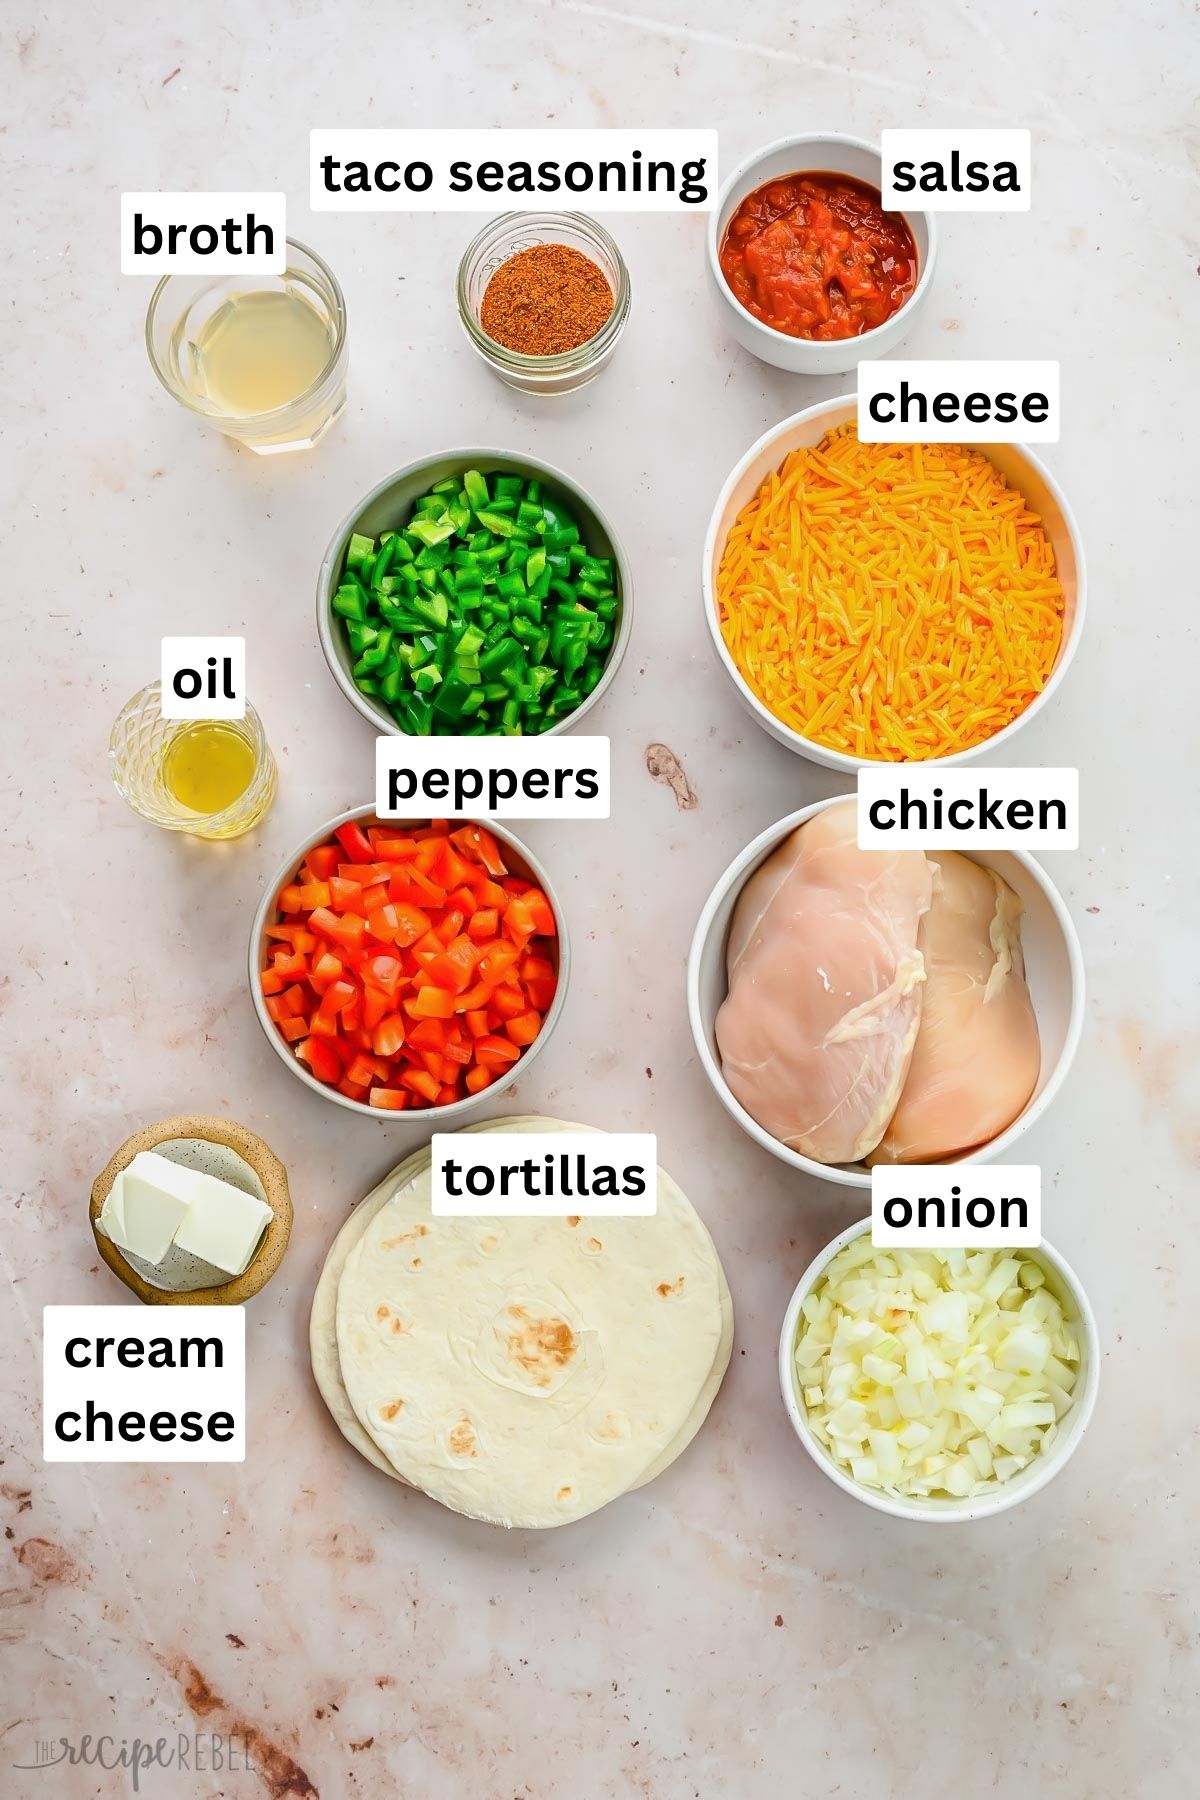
(956, 1206)
(203, 678)
(926, 170)
(492, 777)
(545, 1175)
(958, 402)
(203, 234)
(369, 169)
(144, 1384)
(901, 807)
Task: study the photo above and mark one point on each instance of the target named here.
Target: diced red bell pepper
(337, 996)
(344, 896)
(411, 922)
(484, 924)
(428, 1034)
(384, 972)
(430, 1002)
(423, 1083)
(450, 925)
(322, 862)
(375, 1006)
(388, 1035)
(524, 1028)
(355, 842)
(389, 1099)
(507, 1001)
(325, 970)
(321, 1058)
(481, 846)
(343, 928)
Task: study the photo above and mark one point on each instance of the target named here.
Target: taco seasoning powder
(546, 300)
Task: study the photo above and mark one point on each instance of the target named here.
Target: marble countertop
(740, 1628)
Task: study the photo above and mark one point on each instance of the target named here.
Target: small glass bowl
(181, 305)
(136, 750)
(502, 239)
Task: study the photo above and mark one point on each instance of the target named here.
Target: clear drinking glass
(503, 238)
(138, 747)
(182, 305)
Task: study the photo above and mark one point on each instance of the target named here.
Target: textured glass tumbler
(137, 750)
(179, 309)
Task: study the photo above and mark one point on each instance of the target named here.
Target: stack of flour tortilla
(521, 1371)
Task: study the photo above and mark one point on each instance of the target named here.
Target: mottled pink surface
(740, 1629)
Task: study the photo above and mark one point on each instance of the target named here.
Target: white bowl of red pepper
(810, 272)
(409, 966)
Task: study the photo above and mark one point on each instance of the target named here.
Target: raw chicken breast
(977, 1057)
(825, 982)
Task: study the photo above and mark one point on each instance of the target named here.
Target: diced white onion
(935, 1372)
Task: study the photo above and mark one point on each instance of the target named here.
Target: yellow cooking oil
(260, 350)
(208, 766)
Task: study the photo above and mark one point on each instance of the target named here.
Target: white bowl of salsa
(782, 217)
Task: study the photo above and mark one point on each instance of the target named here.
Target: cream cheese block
(158, 1206)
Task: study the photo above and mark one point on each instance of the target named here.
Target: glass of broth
(261, 357)
(213, 778)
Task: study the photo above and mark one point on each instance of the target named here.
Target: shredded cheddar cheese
(892, 601)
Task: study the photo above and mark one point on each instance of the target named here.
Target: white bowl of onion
(939, 1386)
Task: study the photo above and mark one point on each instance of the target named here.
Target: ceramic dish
(228, 1151)
(1065, 1285)
(1020, 468)
(1053, 962)
(388, 506)
(828, 153)
(522, 862)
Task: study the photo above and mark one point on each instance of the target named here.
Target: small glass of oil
(261, 357)
(214, 778)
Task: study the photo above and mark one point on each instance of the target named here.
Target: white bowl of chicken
(853, 1007)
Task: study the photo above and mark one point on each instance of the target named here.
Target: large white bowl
(390, 504)
(819, 153)
(521, 861)
(1053, 965)
(1020, 468)
(1063, 1282)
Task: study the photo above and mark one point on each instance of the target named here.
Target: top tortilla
(527, 1371)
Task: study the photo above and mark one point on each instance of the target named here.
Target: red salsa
(816, 256)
